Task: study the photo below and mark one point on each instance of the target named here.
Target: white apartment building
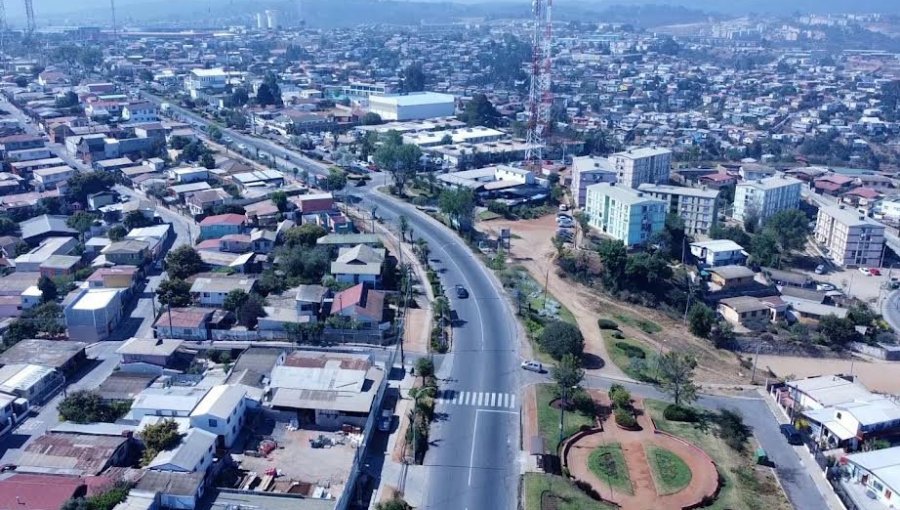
(623, 213)
(476, 134)
(698, 207)
(638, 166)
(589, 170)
(205, 79)
(851, 239)
(763, 198)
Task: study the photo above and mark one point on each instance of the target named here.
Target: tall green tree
(80, 185)
(174, 292)
(568, 373)
(676, 377)
(48, 289)
(413, 78)
(183, 261)
(481, 112)
(559, 338)
(701, 320)
(459, 205)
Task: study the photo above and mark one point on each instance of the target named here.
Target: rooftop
(149, 347)
(77, 454)
(188, 454)
(679, 190)
(48, 353)
(831, 390)
(413, 99)
(884, 464)
(718, 245)
(849, 217)
(222, 283)
(623, 194)
(220, 401)
(37, 492)
(96, 299)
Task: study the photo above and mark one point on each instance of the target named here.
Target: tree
(67, 100)
(459, 205)
(48, 289)
(183, 261)
(193, 151)
(371, 119)
(676, 376)
(559, 338)
(235, 299)
(413, 78)
(81, 221)
(764, 250)
(207, 161)
(174, 292)
(215, 134)
(81, 185)
(789, 228)
(398, 159)
(116, 233)
(17, 331)
(336, 180)
(568, 373)
(161, 436)
(701, 320)
(614, 257)
(251, 310)
(239, 97)
(838, 332)
(404, 227)
(280, 199)
(481, 112)
(85, 406)
(394, 504)
(305, 235)
(269, 93)
(8, 226)
(135, 219)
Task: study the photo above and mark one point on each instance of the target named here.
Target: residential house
(263, 241)
(309, 300)
(211, 291)
(37, 229)
(93, 314)
(67, 357)
(877, 473)
(170, 489)
(731, 277)
(360, 304)
(170, 402)
(194, 454)
(359, 264)
(128, 252)
(34, 383)
(191, 323)
(202, 202)
(142, 111)
(718, 252)
(53, 177)
(214, 227)
(119, 277)
(31, 261)
(59, 265)
(39, 491)
(149, 351)
(73, 454)
(745, 312)
(221, 412)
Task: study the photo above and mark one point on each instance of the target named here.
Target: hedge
(680, 413)
(607, 324)
(630, 350)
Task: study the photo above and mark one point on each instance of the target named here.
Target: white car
(866, 271)
(534, 366)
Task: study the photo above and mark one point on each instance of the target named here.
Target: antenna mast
(115, 27)
(540, 98)
(29, 13)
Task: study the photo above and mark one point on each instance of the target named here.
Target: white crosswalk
(477, 399)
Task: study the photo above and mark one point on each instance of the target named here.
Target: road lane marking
(480, 399)
(472, 452)
(512, 403)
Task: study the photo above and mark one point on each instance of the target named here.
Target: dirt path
(878, 376)
(533, 249)
(704, 479)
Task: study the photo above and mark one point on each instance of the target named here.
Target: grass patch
(568, 497)
(670, 473)
(745, 486)
(548, 417)
(624, 354)
(645, 325)
(608, 463)
(488, 215)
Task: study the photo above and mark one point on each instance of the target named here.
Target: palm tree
(404, 226)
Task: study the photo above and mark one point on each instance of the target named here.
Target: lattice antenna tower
(29, 14)
(540, 98)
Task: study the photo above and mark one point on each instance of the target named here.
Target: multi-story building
(759, 200)
(205, 79)
(623, 213)
(589, 170)
(696, 206)
(851, 238)
(638, 166)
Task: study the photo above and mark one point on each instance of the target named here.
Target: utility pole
(756, 360)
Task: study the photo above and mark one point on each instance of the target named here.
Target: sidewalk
(806, 458)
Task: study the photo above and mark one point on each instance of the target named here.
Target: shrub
(618, 335)
(631, 351)
(680, 413)
(620, 397)
(588, 489)
(625, 419)
(584, 403)
(607, 324)
(425, 367)
(560, 338)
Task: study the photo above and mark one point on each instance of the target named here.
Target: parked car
(384, 422)
(534, 366)
(866, 271)
(563, 207)
(875, 271)
(820, 269)
(461, 292)
(791, 434)
(825, 287)
(565, 222)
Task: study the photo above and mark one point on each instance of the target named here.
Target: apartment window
(213, 423)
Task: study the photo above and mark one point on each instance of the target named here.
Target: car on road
(461, 292)
(820, 269)
(875, 271)
(533, 366)
(565, 222)
(791, 434)
(825, 287)
(866, 271)
(385, 420)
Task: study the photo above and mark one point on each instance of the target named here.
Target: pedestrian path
(477, 399)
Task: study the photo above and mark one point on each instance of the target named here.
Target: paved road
(473, 461)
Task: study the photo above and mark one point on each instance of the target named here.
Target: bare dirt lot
(532, 248)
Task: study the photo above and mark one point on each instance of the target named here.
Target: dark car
(791, 434)
(461, 292)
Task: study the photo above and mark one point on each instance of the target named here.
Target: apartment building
(763, 198)
(638, 166)
(850, 238)
(623, 213)
(589, 170)
(696, 206)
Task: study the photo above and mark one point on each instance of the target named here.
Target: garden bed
(608, 463)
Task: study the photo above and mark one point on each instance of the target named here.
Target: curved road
(473, 461)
